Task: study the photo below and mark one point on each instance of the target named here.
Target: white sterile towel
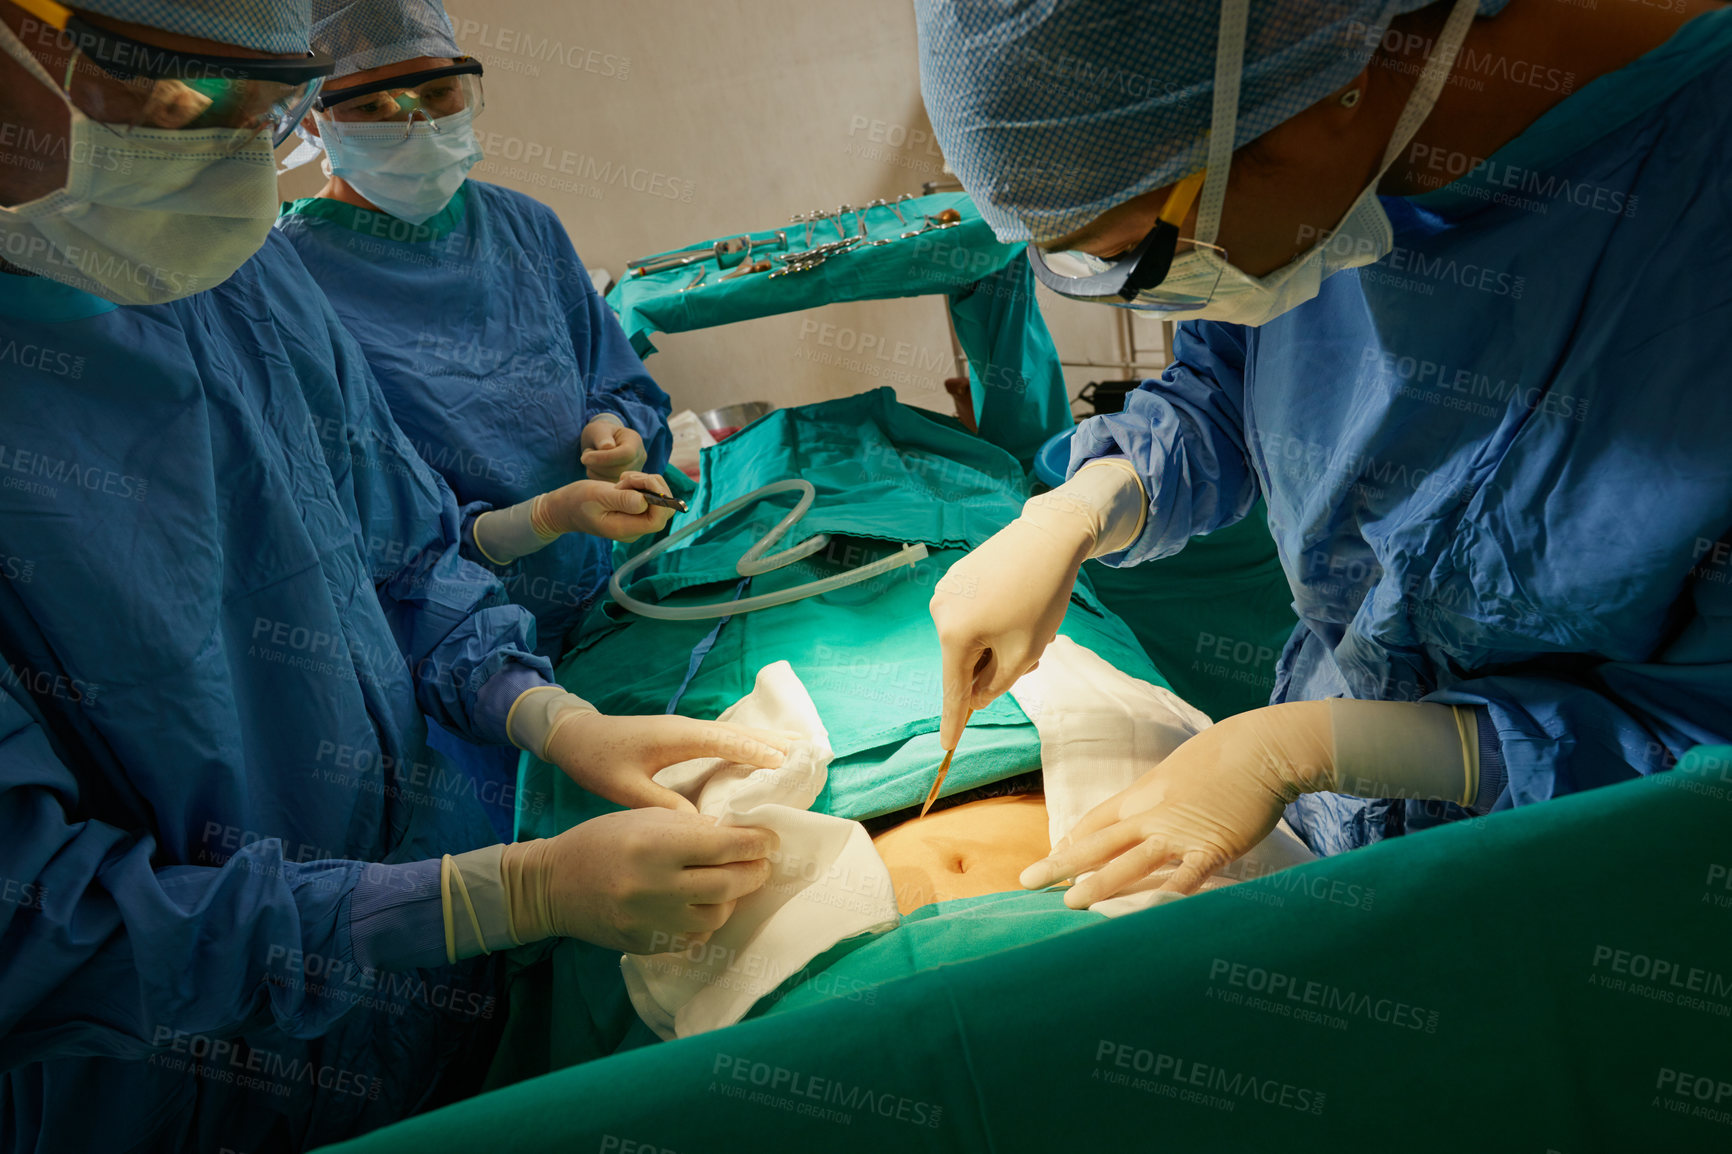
(1100, 729)
(829, 882)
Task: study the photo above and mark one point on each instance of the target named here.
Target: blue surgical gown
(1496, 461)
(232, 590)
(494, 351)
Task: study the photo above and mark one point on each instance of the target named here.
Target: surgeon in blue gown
(1465, 329)
(499, 359)
(246, 906)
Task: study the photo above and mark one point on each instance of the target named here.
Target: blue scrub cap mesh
(363, 34)
(262, 25)
(1053, 111)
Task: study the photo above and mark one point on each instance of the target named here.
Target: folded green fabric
(1512, 975)
(1020, 398)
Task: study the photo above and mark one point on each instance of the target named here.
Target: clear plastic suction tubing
(755, 562)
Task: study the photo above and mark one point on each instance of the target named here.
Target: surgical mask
(412, 171)
(1364, 235)
(147, 215)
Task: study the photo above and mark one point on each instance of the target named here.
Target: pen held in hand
(673, 503)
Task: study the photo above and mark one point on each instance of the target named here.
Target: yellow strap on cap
(1184, 195)
(48, 12)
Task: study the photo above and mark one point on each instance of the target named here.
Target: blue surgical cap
(1053, 111)
(363, 34)
(262, 25)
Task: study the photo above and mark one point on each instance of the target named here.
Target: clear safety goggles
(126, 85)
(428, 96)
(1136, 280)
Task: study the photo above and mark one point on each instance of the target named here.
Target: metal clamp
(949, 218)
(813, 257)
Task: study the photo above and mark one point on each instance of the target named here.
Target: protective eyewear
(1134, 280)
(126, 84)
(431, 95)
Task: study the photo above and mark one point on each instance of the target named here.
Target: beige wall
(651, 124)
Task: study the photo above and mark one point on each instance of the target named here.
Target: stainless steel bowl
(730, 419)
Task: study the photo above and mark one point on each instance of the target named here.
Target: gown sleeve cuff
(466, 544)
(493, 704)
(1075, 466)
(396, 917)
(1493, 774)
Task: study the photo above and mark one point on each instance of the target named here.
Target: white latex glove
(611, 509)
(999, 607)
(631, 881)
(615, 510)
(1222, 791)
(609, 450)
(618, 757)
